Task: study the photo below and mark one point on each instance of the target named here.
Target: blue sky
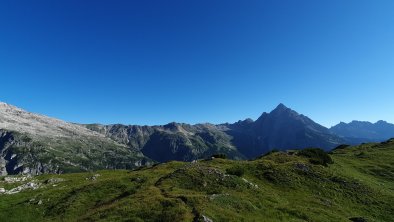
(153, 62)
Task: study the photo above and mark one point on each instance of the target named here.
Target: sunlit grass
(277, 187)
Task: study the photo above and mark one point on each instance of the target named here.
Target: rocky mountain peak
(16, 119)
(281, 106)
(283, 110)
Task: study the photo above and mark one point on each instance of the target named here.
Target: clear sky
(153, 62)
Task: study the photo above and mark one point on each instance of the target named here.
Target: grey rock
(16, 179)
(94, 177)
(29, 185)
(206, 219)
(54, 180)
(301, 166)
(252, 185)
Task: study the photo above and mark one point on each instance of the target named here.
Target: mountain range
(362, 131)
(35, 144)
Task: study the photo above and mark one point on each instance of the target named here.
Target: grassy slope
(289, 188)
(77, 154)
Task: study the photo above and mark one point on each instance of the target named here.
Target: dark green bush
(362, 154)
(236, 171)
(220, 155)
(387, 142)
(268, 153)
(342, 146)
(316, 156)
(358, 219)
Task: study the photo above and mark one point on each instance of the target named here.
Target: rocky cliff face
(6, 140)
(35, 144)
(174, 141)
(20, 154)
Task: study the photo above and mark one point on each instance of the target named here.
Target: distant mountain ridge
(35, 144)
(364, 131)
(173, 141)
(280, 129)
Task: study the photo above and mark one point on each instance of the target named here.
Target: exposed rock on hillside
(35, 144)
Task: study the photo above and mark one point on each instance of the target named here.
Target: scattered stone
(35, 201)
(54, 180)
(137, 180)
(16, 179)
(214, 196)
(301, 166)
(206, 219)
(94, 177)
(250, 183)
(2, 190)
(326, 202)
(30, 185)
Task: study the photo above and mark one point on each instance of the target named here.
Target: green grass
(276, 187)
(68, 155)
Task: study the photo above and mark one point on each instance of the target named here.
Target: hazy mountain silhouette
(362, 131)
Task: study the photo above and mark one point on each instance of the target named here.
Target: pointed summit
(280, 110)
(280, 107)
(284, 127)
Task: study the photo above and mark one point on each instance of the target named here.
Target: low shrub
(220, 155)
(358, 219)
(316, 156)
(268, 153)
(236, 171)
(342, 146)
(362, 154)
